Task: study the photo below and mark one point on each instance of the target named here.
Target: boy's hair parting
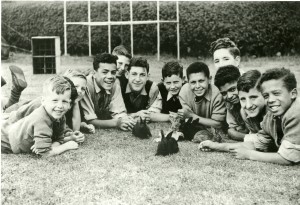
(288, 77)
(139, 62)
(172, 68)
(121, 50)
(225, 43)
(248, 80)
(71, 73)
(104, 58)
(197, 67)
(57, 84)
(226, 74)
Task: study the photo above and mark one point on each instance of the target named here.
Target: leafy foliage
(261, 29)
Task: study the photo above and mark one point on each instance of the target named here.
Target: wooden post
(89, 27)
(178, 33)
(109, 27)
(131, 28)
(158, 33)
(65, 28)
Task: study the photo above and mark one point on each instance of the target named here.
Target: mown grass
(113, 167)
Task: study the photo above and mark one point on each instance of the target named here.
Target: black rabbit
(168, 145)
(141, 130)
(190, 128)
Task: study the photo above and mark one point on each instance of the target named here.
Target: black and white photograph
(150, 102)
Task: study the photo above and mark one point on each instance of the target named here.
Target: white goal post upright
(109, 23)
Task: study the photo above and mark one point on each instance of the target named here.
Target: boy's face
(252, 102)
(222, 57)
(55, 104)
(277, 97)
(106, 75)
(173, 84)
(230, 93)
(137, 78)
(122, 65)
(199, 83)
(80, 85)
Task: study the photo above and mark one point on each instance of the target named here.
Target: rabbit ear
(190, 120)
(141, 120)
(169, 135)
(196, 121)
(145, 121)
(162, 134)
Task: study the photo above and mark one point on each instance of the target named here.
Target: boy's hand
(240, 152)
(71, 145)
(78, 136)
(206, 146)
(87, 128)
(126, 123)
(184, 113)
(144, 114)
(34, 149)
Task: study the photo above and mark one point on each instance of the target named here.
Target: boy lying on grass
(226, 80)
(141, 95)
(123, 61)
(43, 131)
(173, 80)
(103, 105)
(201, 100)
(278, 141)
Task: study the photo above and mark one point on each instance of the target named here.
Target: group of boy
(119, 93)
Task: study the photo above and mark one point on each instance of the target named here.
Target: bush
(260, 29)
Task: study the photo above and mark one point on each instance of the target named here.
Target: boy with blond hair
(44, 130)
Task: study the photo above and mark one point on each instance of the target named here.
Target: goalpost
(131, 23)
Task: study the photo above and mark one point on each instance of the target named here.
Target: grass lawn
(113, 167)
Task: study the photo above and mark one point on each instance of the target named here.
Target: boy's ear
(209, 80)
(238, 61)
(127, 74)
(294, 93)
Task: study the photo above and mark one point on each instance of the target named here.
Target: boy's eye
(232, 89)
(223, 93)
(265, 96)
(114, 72)
(242, 99)
(216, 61)
(168, 83)
(143, 75)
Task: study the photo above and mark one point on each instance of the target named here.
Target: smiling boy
(123, 61)
(225, 52)
(141, 96)
(44, 130)
(102, 104)
(278, 141)
(226, 80)
(200, 99)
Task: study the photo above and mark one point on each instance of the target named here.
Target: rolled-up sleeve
(117, 106)
(42, 137)
(155, 101)
(87, 107)
(219, 109)
(290, 151)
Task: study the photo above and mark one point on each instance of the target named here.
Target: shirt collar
(207, 95)
(97, 88)
(128, 90)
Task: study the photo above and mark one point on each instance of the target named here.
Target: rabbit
(168, 145)
(141, 129)
(190, 128)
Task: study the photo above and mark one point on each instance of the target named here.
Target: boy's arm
(159, 117)
(76, 118)
(224, 147)
(236, 135)
(123, 123)
(244, 153)
(57, 149)
(202, 120)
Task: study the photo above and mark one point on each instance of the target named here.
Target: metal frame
(131, 23)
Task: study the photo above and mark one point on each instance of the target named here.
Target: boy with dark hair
(225, 52)
(172, 77)
(102, 104)
(44, 130)
(141, 96)
(200, 99)
(226, 80)
(279, 140)
(123, 60)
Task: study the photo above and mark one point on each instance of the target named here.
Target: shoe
(18, 78)
(3, 82)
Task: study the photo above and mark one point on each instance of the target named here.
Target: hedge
(258, 28)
